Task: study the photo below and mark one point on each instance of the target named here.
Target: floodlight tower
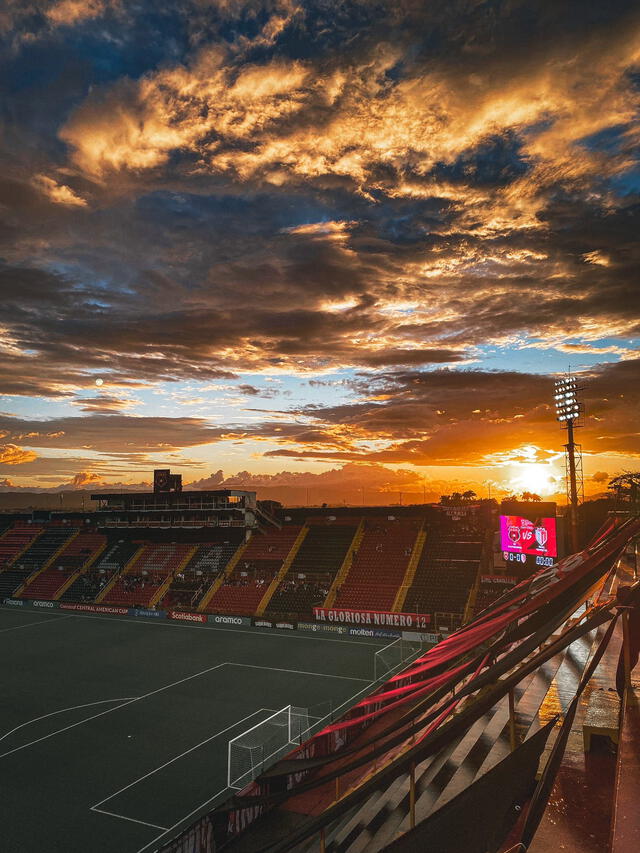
(568, 412)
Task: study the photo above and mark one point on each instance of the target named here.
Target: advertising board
(181, 616)
(378, 633)
(282, 624)
(221, 619)
(319, 627)
(153, 614)
(96, 608)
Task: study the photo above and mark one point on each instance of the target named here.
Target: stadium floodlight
(568, 412)
(566, 399)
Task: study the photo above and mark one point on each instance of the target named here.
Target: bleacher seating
(78, 552)
(10, 581)
(203, 568)
(445, 574)
(490, 589)
(314, 568)
(260, 562)
(18, 537)
(379, 564)
(44, 547)
(113, 560)
(139, 585)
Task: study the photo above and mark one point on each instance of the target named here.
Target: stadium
(233, 675)
(319, 446)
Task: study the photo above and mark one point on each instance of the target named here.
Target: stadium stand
(314, 568)
(490, 589)
(189, 585)
(436, 758)
(112, 561)
(142, 581)
(19, 555)
(445, 574)
(242, 591)
(379, 565)
(74, 555)
(44, 548)
(17, 539)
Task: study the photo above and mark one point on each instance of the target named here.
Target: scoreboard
(528, 534)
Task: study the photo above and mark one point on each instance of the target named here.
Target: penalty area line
(181, 755)
(124, 817)
(198, 808)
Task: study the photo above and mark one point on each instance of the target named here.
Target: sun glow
(535, 477)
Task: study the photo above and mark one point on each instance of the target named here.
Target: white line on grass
(222, 791)
(173, 684)
(124, 817)
(166, 687)
(110, 710)
(30, 624)
(302, 672)
(182, 754)
(169, 623)
(62, 710)
(182, 820)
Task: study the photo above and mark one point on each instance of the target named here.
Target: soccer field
(114, 731)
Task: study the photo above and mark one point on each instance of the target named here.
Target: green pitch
(114, 731)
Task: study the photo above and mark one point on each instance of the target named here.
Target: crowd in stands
(89, 586)
(131, 582)
(319, 589)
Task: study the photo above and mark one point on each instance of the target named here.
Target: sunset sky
(324, 243)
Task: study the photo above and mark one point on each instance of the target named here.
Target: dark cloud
(112, 434)
(392, 187)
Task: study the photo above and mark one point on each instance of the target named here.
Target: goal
(393, 656)
(262, 745)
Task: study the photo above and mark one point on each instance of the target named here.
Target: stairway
(286, 565)
(343, 571)
(407, 580)
(117, 575)
(441, 777)
(228, 569)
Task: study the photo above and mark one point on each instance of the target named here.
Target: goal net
(393, 656)
(263, 744)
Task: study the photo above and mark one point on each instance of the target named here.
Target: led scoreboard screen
(521, 537)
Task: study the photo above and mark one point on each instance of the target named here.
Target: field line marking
(181, 755)
(110, 710)
(39, 622)
(182, 820)
(62, 710)
(302, 672)
(169, 623)
(124, 817)
(222, 791)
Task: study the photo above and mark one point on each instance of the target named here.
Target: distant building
(169, 506)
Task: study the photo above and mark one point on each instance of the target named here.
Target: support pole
(573, 488)
(512, 720)
(412, 796)
(626, 649)
(322, 841)
(337, 788)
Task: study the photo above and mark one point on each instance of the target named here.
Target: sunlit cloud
(406, 218)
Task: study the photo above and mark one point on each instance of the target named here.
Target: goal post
(257, 748)
(392, 656)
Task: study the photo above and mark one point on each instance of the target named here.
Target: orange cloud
(11, 454)
(58, 193)
(71, 12)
